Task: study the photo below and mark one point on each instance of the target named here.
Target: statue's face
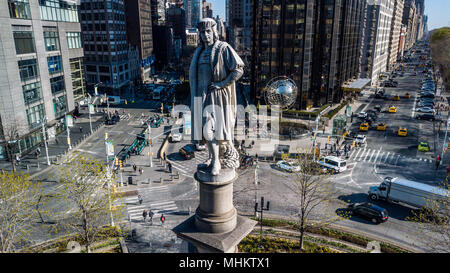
(207, 36)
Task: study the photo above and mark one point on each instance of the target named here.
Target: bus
(157, 92)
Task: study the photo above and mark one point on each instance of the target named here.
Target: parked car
(378, 107)
(289, 166)
(425, 110)
(360, 139)
(187, 152)
(176, 137)
(370, 211)
(426, 117)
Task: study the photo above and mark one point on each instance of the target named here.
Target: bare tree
(18, 197)
(313, 192)
(433, 223)
(10, 134)
(86, 187)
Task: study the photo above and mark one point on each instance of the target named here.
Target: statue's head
(207, 29)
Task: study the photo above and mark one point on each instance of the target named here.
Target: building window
(19, 9)
(73, 39)
(28, 69)
(60, 106)
(24, 42)
(54, 64)
(57, 84)
(32, 92)
(51, 40)
(34, 115)
(58, 10)
(78, 80)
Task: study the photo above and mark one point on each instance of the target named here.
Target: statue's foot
(215, 168)
(205, 166)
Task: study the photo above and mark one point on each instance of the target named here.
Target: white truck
(409, 192)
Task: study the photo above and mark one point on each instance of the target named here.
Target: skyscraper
(193, 10)
(394, 36)
(315, 43)
(410, 21)
(41, 60)
(139, 33)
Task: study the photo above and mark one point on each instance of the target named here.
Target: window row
(19, 9)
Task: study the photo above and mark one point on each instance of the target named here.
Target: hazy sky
(438, 12)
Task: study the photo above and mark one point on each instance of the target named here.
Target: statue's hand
(214, 87)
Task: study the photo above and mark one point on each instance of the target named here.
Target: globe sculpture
(281, 91)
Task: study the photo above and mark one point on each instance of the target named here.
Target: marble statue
(214, 69)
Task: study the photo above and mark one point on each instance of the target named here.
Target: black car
(370, 211)
(426, 116)
(187, 152)
(429, 95)
(378, 107)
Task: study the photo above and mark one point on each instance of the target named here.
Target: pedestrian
(141, 171)
(144, 214)
(134, 167)
(170, 167)
(81, 129)
(164, 156)
(140, 199)
(18, 159)
(163, 219)
(56, 140)
(150, 215)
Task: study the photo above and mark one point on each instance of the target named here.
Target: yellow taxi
(381, 126)
(402, 131)
(396, 97)
(408, 96)
(392, 109)
(364, 126)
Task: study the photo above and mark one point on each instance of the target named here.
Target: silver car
(425, 110)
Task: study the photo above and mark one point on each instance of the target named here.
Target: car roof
(372, 206)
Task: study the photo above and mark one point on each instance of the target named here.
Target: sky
(438, 12)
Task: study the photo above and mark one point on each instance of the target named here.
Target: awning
(356, 85)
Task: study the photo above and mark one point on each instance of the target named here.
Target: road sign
(69, 121)
(91, 109)
(109, 148)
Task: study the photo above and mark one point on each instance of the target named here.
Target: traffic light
(106, 136)
(116, 162)
(329, 139)
(120, 164)
(354, 143)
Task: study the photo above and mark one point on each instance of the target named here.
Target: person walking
(140, 199)
(150, 216)
(81, 129)
(163, 219)
(170, 167)
(141, 171)
(144, 215)
(134, 167)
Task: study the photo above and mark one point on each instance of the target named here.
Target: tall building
(401, 42)
(176, 19)
(158, 10)
(106, 47)
(193, 10)
(140, 35)
(375, 39)
(410, 21)
(394, 36)
(315, 43)
(41, 64)
(420, 4)
(207, 9)
(239, 26)
(221, 28)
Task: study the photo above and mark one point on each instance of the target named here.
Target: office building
(410, 21)
(207, 9)
(41, 64)
(315, 43)
(193, 9)
(140, 36)
(394, 36)
(375, 39)
(158, 10)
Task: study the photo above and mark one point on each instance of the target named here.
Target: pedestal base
(214, 242)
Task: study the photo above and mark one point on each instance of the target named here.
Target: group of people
(141, 171)
(335, 148)
(150, 213)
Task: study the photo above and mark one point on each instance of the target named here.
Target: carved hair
(206, 23)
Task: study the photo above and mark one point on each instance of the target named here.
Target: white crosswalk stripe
(135, 209)
(377, 156)
(189, 167)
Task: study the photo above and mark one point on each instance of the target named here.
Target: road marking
(397, 160)
(370, 159)
(387, 156)
(375, 161)
(368, 152)
(356, 156)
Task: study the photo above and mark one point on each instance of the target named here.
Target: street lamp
(261, 211)
(44, 120)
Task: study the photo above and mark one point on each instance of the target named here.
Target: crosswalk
(189, 167)
(158, 207)
(378, 156)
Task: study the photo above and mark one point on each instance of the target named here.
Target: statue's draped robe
(216, 109)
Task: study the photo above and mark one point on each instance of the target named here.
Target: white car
(288, 166)
(176, 137)
(425, 110)
(200, 147)
(362, 115)
(360, 139)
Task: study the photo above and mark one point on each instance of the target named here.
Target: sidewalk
(58, 146)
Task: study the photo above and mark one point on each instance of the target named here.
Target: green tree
(18, 198)
(86, 187)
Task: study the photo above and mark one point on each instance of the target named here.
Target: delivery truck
(409, 192)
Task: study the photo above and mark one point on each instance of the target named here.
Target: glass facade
(19, 9)
(74, 39)
(24, 42)
(28, 69)
(35, 114)
(58, 10)
(78, 80)
(54, 64)
(51, 40)
(32, 92)
(57, 84)
(60, 106)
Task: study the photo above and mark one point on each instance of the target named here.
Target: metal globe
(281, 91)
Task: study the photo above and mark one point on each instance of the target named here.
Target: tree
(18, 198)
(314, 191)
(86, 187)
(10, 133)
(433, 223)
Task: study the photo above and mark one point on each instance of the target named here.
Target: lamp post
(149, 129)
(108, 176)
(45, 139)
(261, 209)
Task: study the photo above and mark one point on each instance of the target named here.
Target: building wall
(396, 26)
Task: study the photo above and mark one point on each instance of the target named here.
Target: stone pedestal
(215, 227)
